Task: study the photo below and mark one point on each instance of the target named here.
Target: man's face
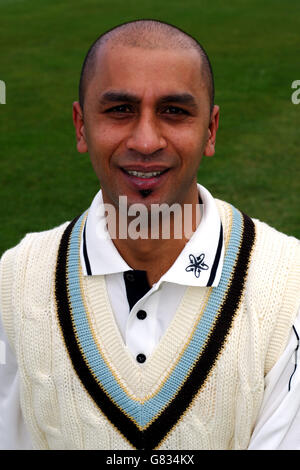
(146, 124)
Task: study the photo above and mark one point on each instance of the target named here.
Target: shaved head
(146, 34)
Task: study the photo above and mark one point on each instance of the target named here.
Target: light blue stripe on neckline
(144, 413)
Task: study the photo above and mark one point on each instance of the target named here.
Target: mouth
(144, 174)
(145, 178)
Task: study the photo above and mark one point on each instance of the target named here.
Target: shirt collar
(199, 264)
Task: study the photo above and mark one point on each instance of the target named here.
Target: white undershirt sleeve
(13, 432)
(278, 424)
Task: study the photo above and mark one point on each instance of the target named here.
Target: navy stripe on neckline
(85, 254)
(217, 259)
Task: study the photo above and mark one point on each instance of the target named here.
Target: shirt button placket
(141, 315)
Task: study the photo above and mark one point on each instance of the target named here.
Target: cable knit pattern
(60, 388)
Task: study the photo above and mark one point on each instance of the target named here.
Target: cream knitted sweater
(203, 385)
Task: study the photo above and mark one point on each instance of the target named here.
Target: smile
(144, 175)
(145, 179)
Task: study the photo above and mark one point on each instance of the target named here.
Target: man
(150, 342)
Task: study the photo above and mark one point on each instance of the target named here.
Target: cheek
(189, 140)
(102, 134)
(101, 147)
(190, 151)
(100, 141)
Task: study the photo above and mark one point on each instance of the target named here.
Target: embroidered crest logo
(197, 264)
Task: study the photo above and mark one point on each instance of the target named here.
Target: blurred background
(254, 48)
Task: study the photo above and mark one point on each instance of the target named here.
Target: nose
(146, 137)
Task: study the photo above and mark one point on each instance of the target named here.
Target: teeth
(144, 175)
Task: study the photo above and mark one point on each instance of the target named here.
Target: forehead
(147, 71)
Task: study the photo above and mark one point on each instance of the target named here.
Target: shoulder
(24, 268)
(262, 229)
(272, 250)
(35, 241)
(31, 262)
(272, 288)
(35, 249)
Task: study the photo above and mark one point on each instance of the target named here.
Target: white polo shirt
(143, 314)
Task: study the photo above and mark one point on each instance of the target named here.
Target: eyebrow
(123, 96)
(179, 98)
(117, 96)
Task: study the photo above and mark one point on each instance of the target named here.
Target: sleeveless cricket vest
(203, 385)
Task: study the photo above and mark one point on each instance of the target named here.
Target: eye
(175, 111)
(120, 109)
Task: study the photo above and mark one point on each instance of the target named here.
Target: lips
(144, 177)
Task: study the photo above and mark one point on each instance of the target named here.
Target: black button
(141, 358)
(141, 314)
(130, 277)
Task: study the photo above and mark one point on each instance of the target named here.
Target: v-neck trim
(143, 380)
(146, 401)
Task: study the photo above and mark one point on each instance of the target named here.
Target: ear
(209, 149)
(79, 127)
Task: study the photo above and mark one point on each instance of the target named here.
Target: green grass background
(254, 47)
